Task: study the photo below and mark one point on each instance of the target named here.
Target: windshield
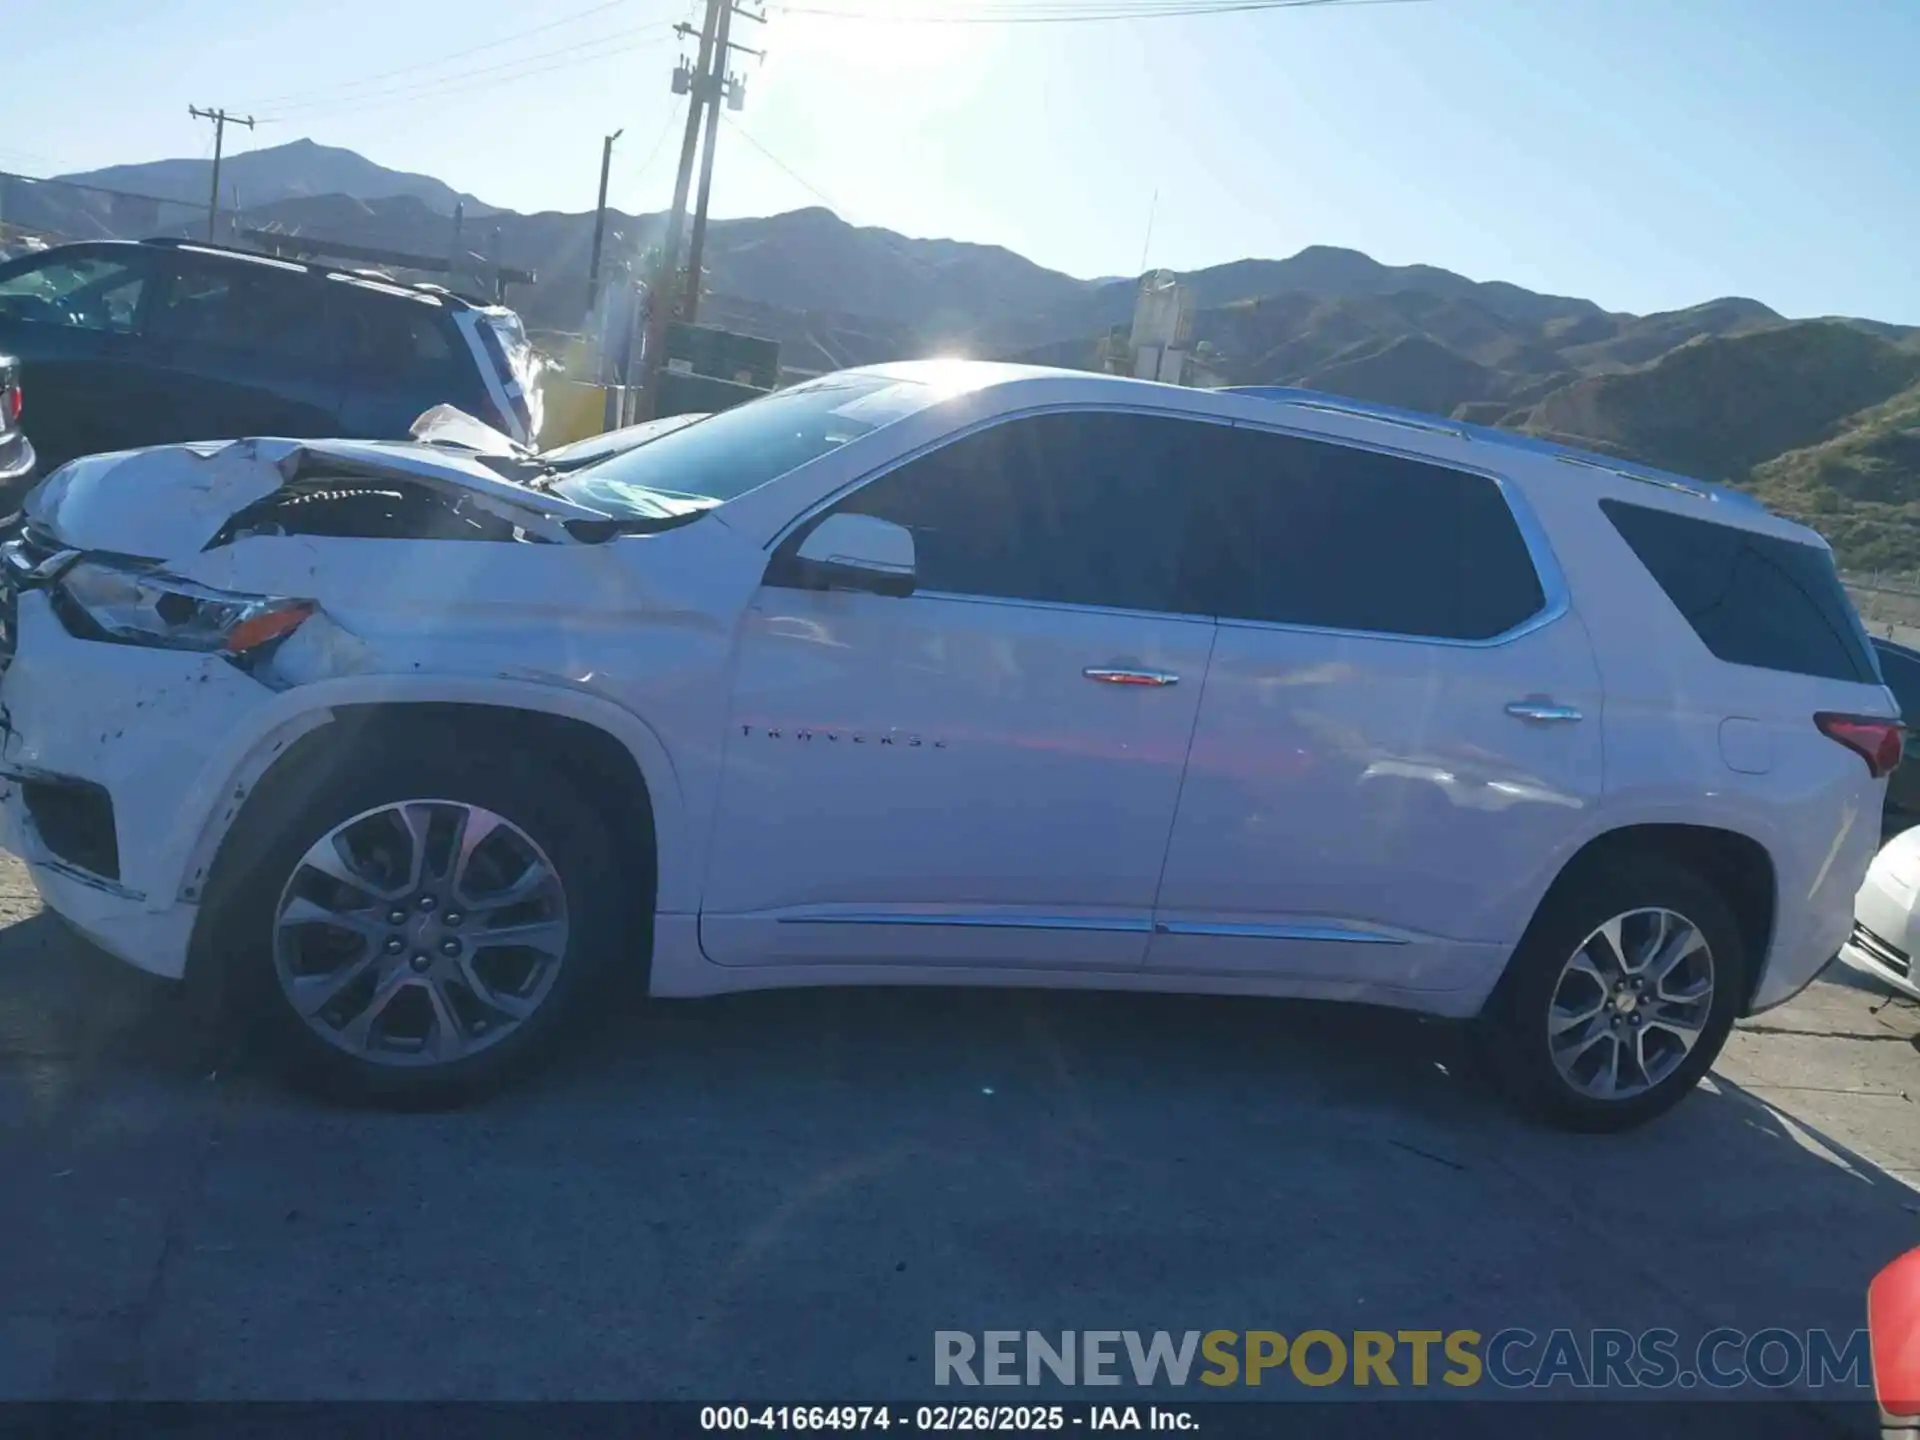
(738, 450)
(597, 448)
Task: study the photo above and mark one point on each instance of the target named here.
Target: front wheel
(1617, 999)
(424, 923)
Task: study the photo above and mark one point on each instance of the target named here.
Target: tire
(435, 1041)
(1538, 995)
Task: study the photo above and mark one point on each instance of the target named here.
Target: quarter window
(1306, 532)
(1753, 599)
(1083, 508)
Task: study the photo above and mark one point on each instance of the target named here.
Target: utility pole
(665, 297)
(706, 87)
(221, 119)
(600, 220)
(721, 87)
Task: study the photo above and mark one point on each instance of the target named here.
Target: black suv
(127, 343)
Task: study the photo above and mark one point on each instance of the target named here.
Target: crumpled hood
(170, 500)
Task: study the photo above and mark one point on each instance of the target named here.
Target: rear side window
(255, 310)
(1752, 599)
(1305, 532)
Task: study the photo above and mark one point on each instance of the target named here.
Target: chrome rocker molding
(1339, 934)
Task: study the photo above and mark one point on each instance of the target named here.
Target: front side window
(1082, 508)
(87, 292)
(1306, 532)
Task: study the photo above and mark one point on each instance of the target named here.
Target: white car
(948, 673)
(1885, 929)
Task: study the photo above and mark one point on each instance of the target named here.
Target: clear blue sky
(1648, 154)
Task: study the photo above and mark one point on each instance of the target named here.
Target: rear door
(239, 346)
(72, 316)
(1372, 792)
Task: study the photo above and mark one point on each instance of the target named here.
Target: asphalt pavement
(785, 1195)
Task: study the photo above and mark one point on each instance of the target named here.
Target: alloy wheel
(420, 932)
(1630, 1004)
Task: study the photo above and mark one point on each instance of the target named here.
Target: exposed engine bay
(348, 505)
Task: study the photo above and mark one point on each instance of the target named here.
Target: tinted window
(1752, 599)
(1304, 532)
(254, 308)
(88, 292)
(393, 336)
(1084, 508)
(1902, 674)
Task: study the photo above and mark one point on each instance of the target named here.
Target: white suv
(948, 673)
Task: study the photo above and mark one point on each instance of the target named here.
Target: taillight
(11, 403)
(1874, 740)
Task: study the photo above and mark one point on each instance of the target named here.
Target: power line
(786, 169)
(491, 77)
(631, 175)
(507, 39)
(505, 70)
(1063, 14)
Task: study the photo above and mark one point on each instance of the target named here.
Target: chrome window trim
(976, 919)
(1066, 407)
(1071, 607)
(1340, 934)
(1557, 597)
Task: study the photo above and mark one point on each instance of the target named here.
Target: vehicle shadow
(788, 1193)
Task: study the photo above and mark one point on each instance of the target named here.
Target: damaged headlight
(139, 606)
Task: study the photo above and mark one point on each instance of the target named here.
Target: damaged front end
(172, 620)
(99, 535)
(178, 499)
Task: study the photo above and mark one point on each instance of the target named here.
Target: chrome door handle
(1107, 675)
(1543, 711)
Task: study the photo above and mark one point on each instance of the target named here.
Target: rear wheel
(1618, 998)
(424, 924)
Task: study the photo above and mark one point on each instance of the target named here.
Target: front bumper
(147, 727)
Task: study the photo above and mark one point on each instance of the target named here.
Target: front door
(1401, 728)
(984, 772)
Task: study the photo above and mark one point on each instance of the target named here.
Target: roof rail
(1342, 405)
(1508, 439)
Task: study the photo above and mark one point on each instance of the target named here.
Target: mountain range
(1818, 416)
